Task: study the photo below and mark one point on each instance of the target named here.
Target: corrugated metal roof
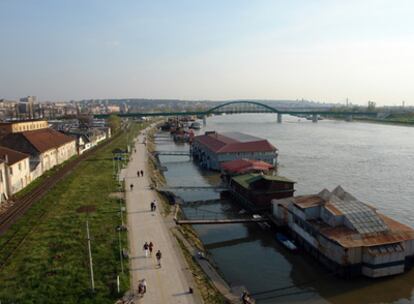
(370, 227)
(349, 238)
(307, 201)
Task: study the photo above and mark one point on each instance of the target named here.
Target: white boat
(195, 125)
(286, 242)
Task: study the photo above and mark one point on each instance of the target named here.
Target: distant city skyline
(324, 51)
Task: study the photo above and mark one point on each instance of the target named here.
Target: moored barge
(346, 235)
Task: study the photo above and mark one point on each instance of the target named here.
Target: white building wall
(100, 138)
(36, 172)
(312, 212)
(409, 247)
(65, 152)
(297, 212)
(306, 236)
(3, 183)
(381, 272)
(268, 157)
(335, 252)
(48, 160)
(18, 175)
(354, 255)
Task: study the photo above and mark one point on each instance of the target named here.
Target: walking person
(144, 284)
(158, 255)
(138, 173)
(142, 287)
(150, 246)
(152, 206)
(131, 186)
(142, 173)
(146, 247)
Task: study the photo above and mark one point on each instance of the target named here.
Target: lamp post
(90, 256)
(87, 209)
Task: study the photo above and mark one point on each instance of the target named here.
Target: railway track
(24, 203)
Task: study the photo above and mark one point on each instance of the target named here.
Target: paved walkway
(171, 282)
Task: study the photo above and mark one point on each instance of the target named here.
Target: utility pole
(120, 209)
(120, 250)
(90, 256)
(119, 236)
(113, 165)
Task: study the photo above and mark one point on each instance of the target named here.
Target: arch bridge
(242, 106)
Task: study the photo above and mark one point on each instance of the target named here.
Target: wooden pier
(173, 153)
(220, 221)
(193, 188)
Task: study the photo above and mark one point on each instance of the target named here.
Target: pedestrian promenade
(171, 282)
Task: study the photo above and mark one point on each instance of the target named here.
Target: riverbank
(213, 288)
(49, 261)
(386, 122)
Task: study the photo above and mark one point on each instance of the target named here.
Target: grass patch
(51, 264)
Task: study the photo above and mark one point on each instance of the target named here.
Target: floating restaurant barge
(212, 149)
(255, 191)
(346, 235)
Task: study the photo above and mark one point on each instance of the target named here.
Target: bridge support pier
(314, 117)
(204, 120)
(279, 117)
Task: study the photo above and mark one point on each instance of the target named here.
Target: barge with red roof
(212, 149)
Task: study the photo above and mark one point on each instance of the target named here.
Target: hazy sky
(319, 50)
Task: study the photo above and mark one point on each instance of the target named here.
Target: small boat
(262, 225)
(195, 125)
(286, 241)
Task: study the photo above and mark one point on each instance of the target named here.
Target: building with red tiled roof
(212, 149)
(46, 147)
(16, 173)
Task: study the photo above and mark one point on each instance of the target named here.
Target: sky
(323, 50)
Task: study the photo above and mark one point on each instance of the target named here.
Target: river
(374, 162)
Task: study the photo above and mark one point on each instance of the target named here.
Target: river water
(374, 162)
